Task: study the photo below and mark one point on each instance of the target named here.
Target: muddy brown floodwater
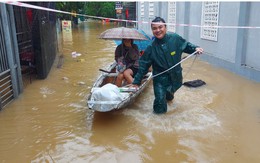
(50, 121)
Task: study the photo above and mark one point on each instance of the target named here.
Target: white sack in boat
(105, 98)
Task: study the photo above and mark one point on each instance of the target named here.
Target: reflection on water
(50, 121)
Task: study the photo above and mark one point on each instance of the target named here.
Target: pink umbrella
(122, 33)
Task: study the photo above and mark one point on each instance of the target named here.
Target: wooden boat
(105, 96)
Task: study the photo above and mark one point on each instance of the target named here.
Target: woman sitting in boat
(126, 56)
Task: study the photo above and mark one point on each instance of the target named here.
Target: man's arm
(144, 64)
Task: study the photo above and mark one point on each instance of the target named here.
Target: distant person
(126, 56)
(164, 52)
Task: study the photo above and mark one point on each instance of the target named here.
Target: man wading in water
(164, 52)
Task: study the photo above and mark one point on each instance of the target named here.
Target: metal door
(10, 71)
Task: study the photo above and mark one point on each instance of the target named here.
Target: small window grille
(171, 16)
(151, 9)
(142, 9)
(210, 15)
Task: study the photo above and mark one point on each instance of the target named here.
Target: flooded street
(50, 121)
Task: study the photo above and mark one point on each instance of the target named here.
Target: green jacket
(162, 54)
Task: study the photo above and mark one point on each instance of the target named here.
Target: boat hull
(125, 94)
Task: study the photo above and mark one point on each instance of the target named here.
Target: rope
(190, 66)
(175, 65)
(20, 4)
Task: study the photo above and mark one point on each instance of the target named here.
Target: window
(210, 15)
(171, 16)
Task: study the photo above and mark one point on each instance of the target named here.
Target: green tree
(102, 9)
(68, 7)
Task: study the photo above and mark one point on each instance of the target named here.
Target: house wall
(236, 49)
(44, 38)
(252, 58)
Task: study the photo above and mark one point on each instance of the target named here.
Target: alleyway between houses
(50, 121)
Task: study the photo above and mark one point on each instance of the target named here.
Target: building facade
(126, 11)
(28, 45)
(233, 41)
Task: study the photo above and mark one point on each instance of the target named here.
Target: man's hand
(199, 50)
(136, 87)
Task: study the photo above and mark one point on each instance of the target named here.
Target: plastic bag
(105, 98)
(194, 83)
(120, 67)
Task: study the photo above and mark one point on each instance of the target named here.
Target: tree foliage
(102, 9)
